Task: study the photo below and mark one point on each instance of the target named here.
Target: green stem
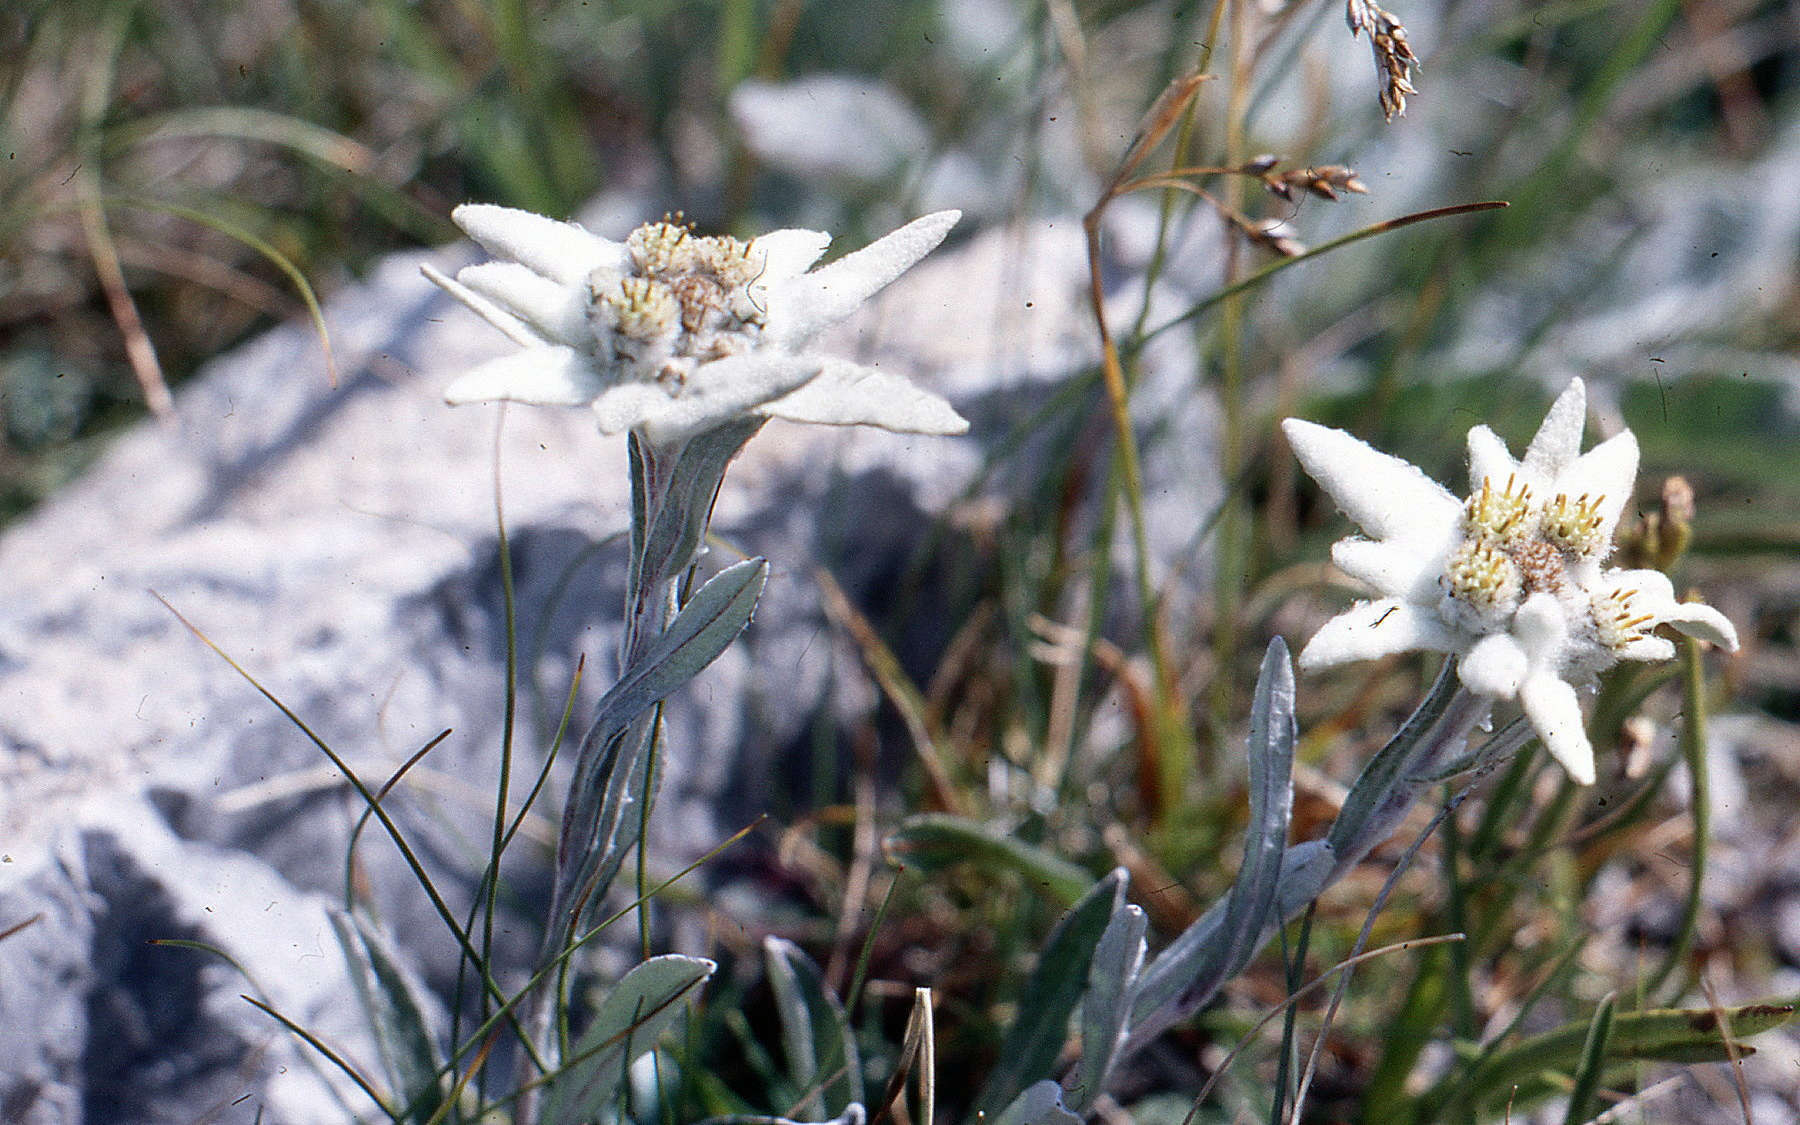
(1693, 752)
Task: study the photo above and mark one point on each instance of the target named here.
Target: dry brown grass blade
(1070, 39)
(1162, 116)
(16, 927)
(1171, 906)
(1722, 1021)
(1139, 698)
(918, 1055)
(188, 265)
(1169, 749)
(866, 852)
(475, 1065)
(928, 742)
(139, 350)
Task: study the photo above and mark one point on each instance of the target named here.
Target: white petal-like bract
(1387, 497)
(802, 307)
(563, 252)
(545, 376)
(671, 333)
(1509, 581)
(850, 394)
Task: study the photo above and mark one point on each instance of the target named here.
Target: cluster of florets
(1514, 547)
(688, 299)
(668, 334)
(1508, 579)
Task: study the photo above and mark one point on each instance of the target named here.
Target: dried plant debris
(1327, 181)
(1324, 181)
(1272, 235)
(1394, 58)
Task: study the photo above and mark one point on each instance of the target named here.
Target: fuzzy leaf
(630, 1021)
(1039, 1104)
(1028, 1053)
(610, 769)
(1385, 789)
(815, 1032)
(672, 530)
(395, 1017)
(1271, 763)
(1106, 1009)
(1217, 947)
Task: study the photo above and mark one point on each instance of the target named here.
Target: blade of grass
(362, 820)
(1302, 993)
(19, 927)
(1275, 267)
(1593, 1061)
(934, 841)
(336, 154)
(280, 261)
(509, 703)
(329, 1055)
(554, 965)
(853, 995)
(928, 743)
(387, 822)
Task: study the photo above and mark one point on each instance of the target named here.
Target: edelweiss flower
(671, 333)
(1509, 580)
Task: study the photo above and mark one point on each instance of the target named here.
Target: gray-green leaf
(629, 1022)
(1106, 1009)
(396, 1017)
(1028, 1053)
(609, 769)
(1038, 1104)
(821, 1050)
(934, 841)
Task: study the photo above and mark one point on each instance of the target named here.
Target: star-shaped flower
(1509, 580)
(671, 333)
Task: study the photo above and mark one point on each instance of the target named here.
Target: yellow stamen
(1503, 514)
(1575, 525)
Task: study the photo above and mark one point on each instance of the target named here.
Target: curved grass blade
(20, 927)
(362, 820)
(329, 1055)
(1593, 1062)
(388, 824)
(937, 841)
(331, 151)
(1280, 264)
(280, 261)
